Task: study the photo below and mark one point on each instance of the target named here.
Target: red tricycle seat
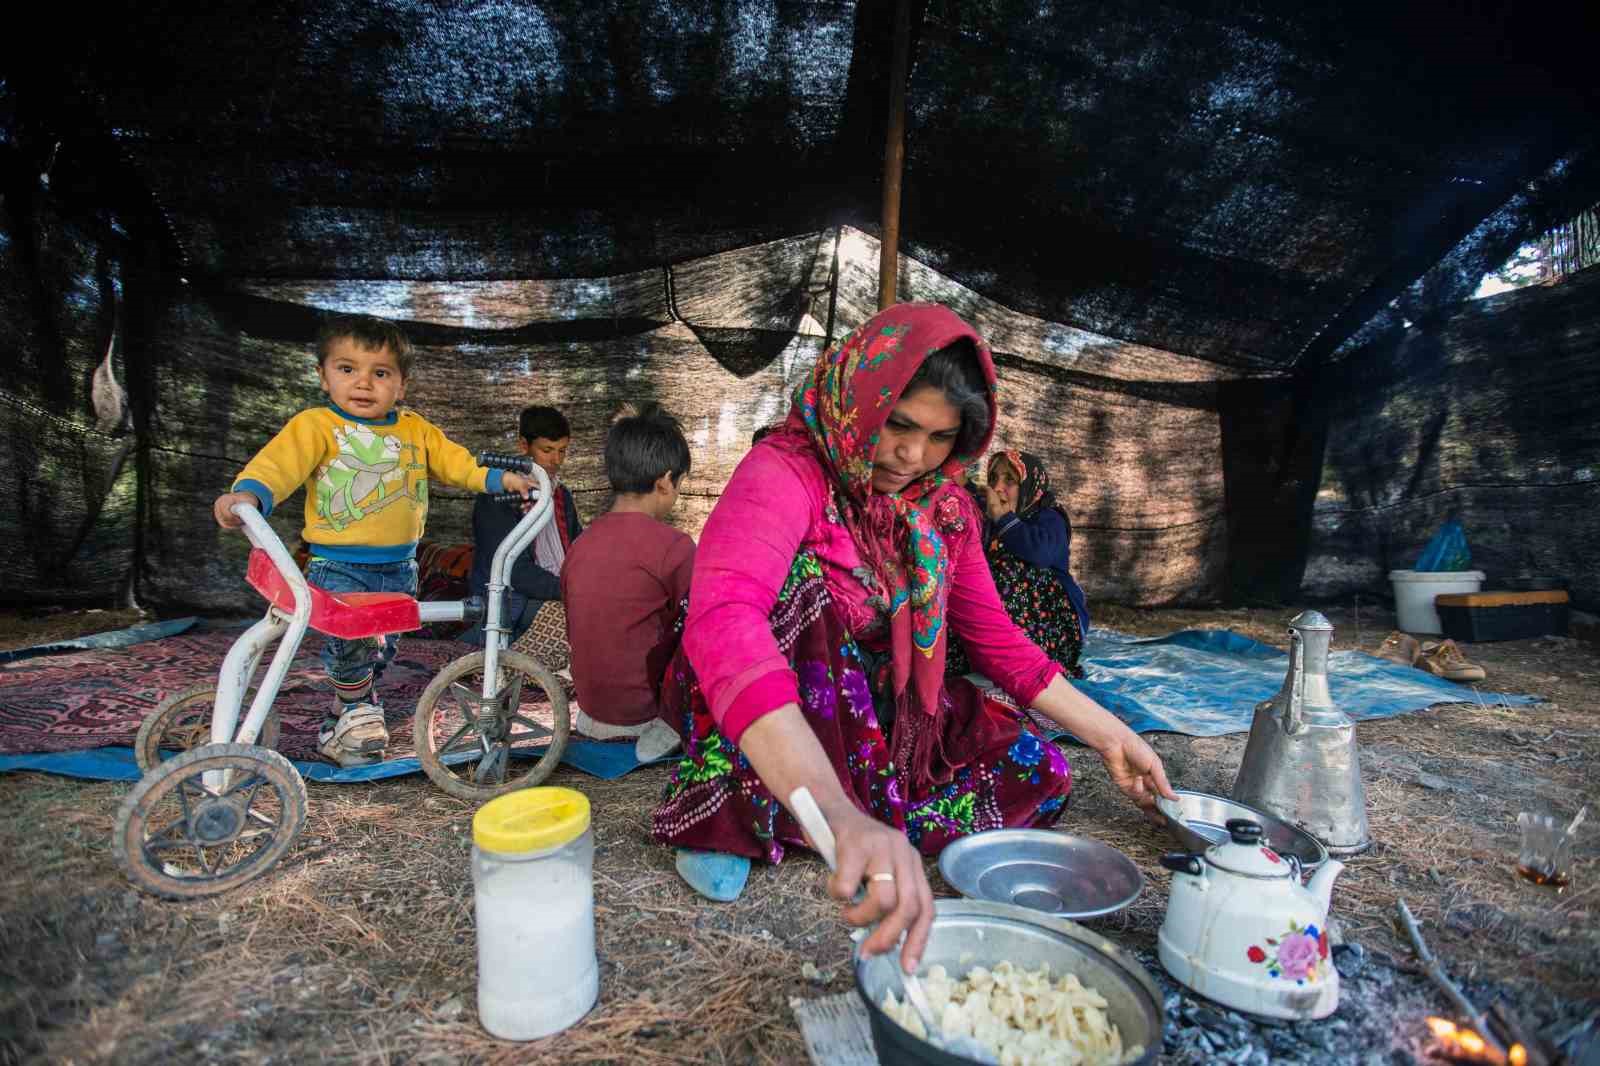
(346, 615)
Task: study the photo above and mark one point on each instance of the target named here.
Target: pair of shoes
(589, 727)
(356, 738)
(1400, 648)
(657, 741)
(1445, 660)
(716, 875)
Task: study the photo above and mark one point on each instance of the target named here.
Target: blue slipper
(716, 875)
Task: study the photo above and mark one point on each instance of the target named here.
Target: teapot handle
(1294, 718)
(1183, 862)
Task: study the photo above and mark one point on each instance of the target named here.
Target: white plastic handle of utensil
(805, 808)
(806, 811)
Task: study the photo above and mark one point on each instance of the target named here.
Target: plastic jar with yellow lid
(533, 889)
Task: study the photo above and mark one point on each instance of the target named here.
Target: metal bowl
(1199, 820)
(1057, 873)
(968, 933)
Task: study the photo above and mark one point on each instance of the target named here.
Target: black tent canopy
(1210, 243)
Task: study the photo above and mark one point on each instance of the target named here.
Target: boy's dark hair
(544, 422)
(369, 333)
(641, 447)
(764, 432)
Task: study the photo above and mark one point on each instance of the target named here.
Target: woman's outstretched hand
(1132, 765)
(901, 903)
(1136, 769)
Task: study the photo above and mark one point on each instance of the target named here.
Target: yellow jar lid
(531, 819)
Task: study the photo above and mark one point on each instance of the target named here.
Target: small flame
(1462, 1043)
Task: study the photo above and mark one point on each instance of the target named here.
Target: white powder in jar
(537, 972)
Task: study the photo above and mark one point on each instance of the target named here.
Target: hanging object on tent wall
(106, 394)
(1301, 762)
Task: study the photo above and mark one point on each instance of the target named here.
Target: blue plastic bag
(1447, 550)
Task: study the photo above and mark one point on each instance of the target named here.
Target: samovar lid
(1311, 620)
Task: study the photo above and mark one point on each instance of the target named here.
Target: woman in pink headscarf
(828, 579)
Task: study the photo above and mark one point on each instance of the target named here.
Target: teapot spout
(1321, 883)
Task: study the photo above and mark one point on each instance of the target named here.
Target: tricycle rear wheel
(465, 745)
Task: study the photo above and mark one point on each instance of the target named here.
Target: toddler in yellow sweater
(365, 465)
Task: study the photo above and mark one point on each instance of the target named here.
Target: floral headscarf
(1033, 480)
(838, 413)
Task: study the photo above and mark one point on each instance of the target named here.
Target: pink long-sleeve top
(778, 504)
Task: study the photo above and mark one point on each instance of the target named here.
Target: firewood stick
(1517, 1033)
(1474, 1016)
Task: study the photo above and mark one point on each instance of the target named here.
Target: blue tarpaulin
(606, 761)
(1207, 682)
(1199, 682)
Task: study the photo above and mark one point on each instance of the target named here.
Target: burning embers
(1521, 1045)
(1460, 1044)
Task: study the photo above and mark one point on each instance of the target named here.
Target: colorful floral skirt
(1037, 603)
(997, 773)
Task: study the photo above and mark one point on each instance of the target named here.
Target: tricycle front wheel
(180, 837)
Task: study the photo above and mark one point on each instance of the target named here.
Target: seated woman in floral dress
(840, 558)
(1028, 542)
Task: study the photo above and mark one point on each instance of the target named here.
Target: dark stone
(1282, 1043)
(1349, 959)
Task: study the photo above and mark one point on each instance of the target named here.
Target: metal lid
(1244, 853)
(1310, 620)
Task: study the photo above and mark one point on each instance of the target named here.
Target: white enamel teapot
(1242, 930)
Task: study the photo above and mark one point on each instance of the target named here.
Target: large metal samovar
(1301, 762)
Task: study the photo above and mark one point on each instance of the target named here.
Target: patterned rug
(95, 699)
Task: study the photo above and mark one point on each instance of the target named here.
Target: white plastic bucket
(1414, 591)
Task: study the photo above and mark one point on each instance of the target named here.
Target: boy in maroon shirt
(625, 584)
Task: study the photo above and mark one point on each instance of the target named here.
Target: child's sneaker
(357, 738)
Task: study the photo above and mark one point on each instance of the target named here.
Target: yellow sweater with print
(366, 480)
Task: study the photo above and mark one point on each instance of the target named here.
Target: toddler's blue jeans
(354, 665)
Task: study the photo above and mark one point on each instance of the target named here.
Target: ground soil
(358, 946)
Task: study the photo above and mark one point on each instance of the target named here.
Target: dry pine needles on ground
(359, 946)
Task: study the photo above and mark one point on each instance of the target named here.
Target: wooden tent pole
(894, 156)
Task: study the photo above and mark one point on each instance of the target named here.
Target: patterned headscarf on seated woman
(1033, 483)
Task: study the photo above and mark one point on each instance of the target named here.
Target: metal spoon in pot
(805, 808)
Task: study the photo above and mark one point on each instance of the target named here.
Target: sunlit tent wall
(1221, 252)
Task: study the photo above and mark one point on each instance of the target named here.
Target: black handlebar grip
(506, 497)
(517, 464)
(472, 609)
